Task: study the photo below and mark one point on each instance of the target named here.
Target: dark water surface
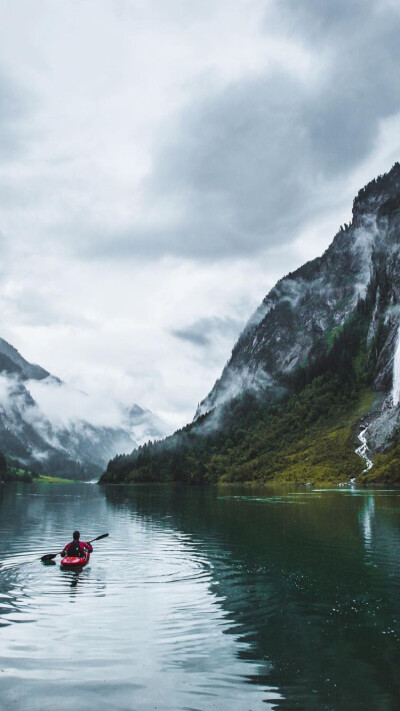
(200, 599)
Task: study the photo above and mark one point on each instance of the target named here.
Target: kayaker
(76, 548)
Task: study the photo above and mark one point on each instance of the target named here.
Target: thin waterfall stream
(363, 449)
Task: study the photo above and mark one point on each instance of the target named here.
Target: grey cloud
(362, 89)
(194, 337)
(316, 20)
(33, 308)
(15, 105)
(231, 167)
(204, 331)
(245, 167)
(257, 152)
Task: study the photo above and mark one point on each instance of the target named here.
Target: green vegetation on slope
(12, 471)
(386, 469)
(307, 436)
(310, 437)
(44, 479)
(17, 473)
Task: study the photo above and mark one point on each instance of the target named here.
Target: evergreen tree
(3, 464)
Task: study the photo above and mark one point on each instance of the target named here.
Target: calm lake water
(200, 599)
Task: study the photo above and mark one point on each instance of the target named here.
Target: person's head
(76, 535)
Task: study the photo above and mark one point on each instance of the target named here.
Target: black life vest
(74, 550)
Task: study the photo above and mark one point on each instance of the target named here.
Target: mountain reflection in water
(201, 599)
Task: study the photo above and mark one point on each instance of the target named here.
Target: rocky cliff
(319, 298)
(327, 335)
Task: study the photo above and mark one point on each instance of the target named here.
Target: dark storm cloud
(203, 332)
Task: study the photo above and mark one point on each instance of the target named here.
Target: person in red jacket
(76, 548)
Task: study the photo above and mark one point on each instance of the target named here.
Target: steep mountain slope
(12, 362)
(57, 443)
(326, 335)
(320, 296)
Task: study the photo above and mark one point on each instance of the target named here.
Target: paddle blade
(104, 535)
(49, 556)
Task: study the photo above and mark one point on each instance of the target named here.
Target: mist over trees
(257, 440)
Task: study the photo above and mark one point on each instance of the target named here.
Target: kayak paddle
(50, 556)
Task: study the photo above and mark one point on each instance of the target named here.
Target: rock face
(312, 389)
(316, 300)
(12, 362)
(70, 447)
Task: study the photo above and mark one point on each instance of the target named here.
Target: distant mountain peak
(377, 191)
(36, 431)
(23, 368)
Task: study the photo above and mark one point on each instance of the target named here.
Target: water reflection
(294, 586)
(143, 607)
(203, 599)
(367, 515)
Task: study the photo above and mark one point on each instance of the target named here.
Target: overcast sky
(164, 162)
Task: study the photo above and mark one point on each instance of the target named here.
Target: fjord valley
(40, 434)
(312, 387)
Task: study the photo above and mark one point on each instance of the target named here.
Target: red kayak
(75, 561)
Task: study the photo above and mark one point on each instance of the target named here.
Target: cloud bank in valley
(159, 170)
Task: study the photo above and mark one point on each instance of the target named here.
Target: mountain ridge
(327, 334)
(70, 447)
(356, 258)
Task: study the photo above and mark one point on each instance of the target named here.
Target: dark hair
(76, 535)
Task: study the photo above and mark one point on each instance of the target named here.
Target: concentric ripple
(143, 607)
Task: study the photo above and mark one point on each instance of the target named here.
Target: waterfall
(396, 373)
(363, 449)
